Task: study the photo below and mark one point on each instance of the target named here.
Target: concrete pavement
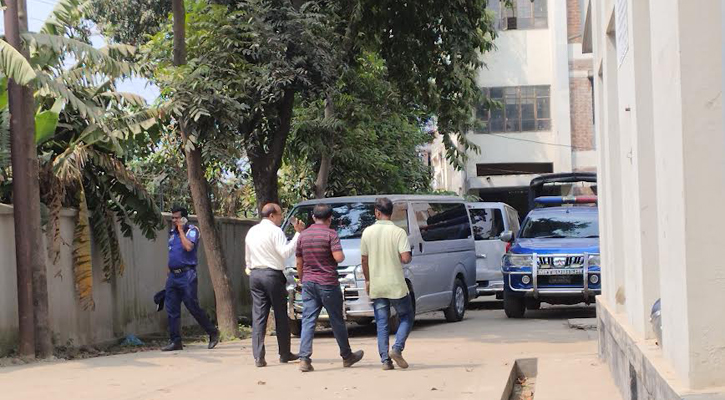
(471, 359)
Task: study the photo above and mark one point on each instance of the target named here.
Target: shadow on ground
(536, 326)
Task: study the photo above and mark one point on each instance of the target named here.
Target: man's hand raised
(299, 226)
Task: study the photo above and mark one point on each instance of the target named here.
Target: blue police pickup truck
(555, 256)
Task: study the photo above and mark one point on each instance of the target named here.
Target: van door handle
(481, 256)
(420, 247)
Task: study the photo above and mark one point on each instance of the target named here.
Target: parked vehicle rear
(489, 220)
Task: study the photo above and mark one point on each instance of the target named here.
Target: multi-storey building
(543, 81)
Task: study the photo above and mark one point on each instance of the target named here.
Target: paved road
(466, 360)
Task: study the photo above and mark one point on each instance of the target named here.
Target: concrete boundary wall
(124, 304)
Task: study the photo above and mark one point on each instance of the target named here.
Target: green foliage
(130, 21)
(433, 52)
(14, 65)
(84, 129)
(245, 65)
(373, 139)
(251, 62)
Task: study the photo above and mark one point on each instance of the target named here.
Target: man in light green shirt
(385, 248)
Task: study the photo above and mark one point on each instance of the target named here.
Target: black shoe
(289, 357)
(213, 340)
(398, 358)
(354, 357)
(260, 363)
(306, 366)
(172, 346)
(388, 365)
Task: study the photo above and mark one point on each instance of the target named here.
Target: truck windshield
(348, 219)
(565, 225)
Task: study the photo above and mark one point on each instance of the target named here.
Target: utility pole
(35, 336)
(41, 317)
(21, 193)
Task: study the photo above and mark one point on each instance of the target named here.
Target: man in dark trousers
(318, 253)
(181, 284)
(267, 249)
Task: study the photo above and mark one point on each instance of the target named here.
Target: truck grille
(568, 261)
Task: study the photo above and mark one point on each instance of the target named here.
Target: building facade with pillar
(658, 69)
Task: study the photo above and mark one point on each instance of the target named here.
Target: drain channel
(522, 380)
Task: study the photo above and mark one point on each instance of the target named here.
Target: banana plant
(84, 127)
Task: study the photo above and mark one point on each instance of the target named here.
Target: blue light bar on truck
(555, 200)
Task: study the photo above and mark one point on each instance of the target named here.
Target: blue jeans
(404, 308)
(314, 297)
(183, 288)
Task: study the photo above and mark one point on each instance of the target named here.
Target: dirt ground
(471, 359)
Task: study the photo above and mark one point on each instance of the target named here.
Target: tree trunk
(35, 336)
(225, 306)
(21, 147)
(225, 310)
(265, 182)
(265, 164)
(323, 174)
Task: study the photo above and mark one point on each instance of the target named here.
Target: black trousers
(268, 288)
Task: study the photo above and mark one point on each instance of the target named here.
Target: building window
(514, 169)
(521, 14)
(521, 109)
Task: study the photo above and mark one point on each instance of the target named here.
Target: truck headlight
(359, 275)
(595, 260)
(518, 260)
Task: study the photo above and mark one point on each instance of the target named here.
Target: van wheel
(295, 327)
(457, 308)
(514, 306)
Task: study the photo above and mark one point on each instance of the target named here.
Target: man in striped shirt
(318, 253)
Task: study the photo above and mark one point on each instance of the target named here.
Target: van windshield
(348, 219)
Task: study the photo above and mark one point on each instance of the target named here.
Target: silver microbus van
(442, 275)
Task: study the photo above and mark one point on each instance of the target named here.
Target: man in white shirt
(266, 250)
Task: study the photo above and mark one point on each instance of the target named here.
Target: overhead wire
(539, 142)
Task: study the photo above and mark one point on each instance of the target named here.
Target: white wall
(662, 174)
(125, 304)
(525, 58)
(521, 57)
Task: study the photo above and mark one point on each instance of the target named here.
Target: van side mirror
(507, 236)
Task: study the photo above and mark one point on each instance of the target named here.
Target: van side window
(442, 221)
(487, 223)
(400, 216)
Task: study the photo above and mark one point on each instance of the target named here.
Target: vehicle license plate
(558, 280)
(561, 271)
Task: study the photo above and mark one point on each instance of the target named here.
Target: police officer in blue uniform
(181, 284)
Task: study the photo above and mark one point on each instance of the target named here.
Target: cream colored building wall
(523, 58)
(662, 175)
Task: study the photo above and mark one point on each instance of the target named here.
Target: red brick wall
(573, 21)
(582, 126)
